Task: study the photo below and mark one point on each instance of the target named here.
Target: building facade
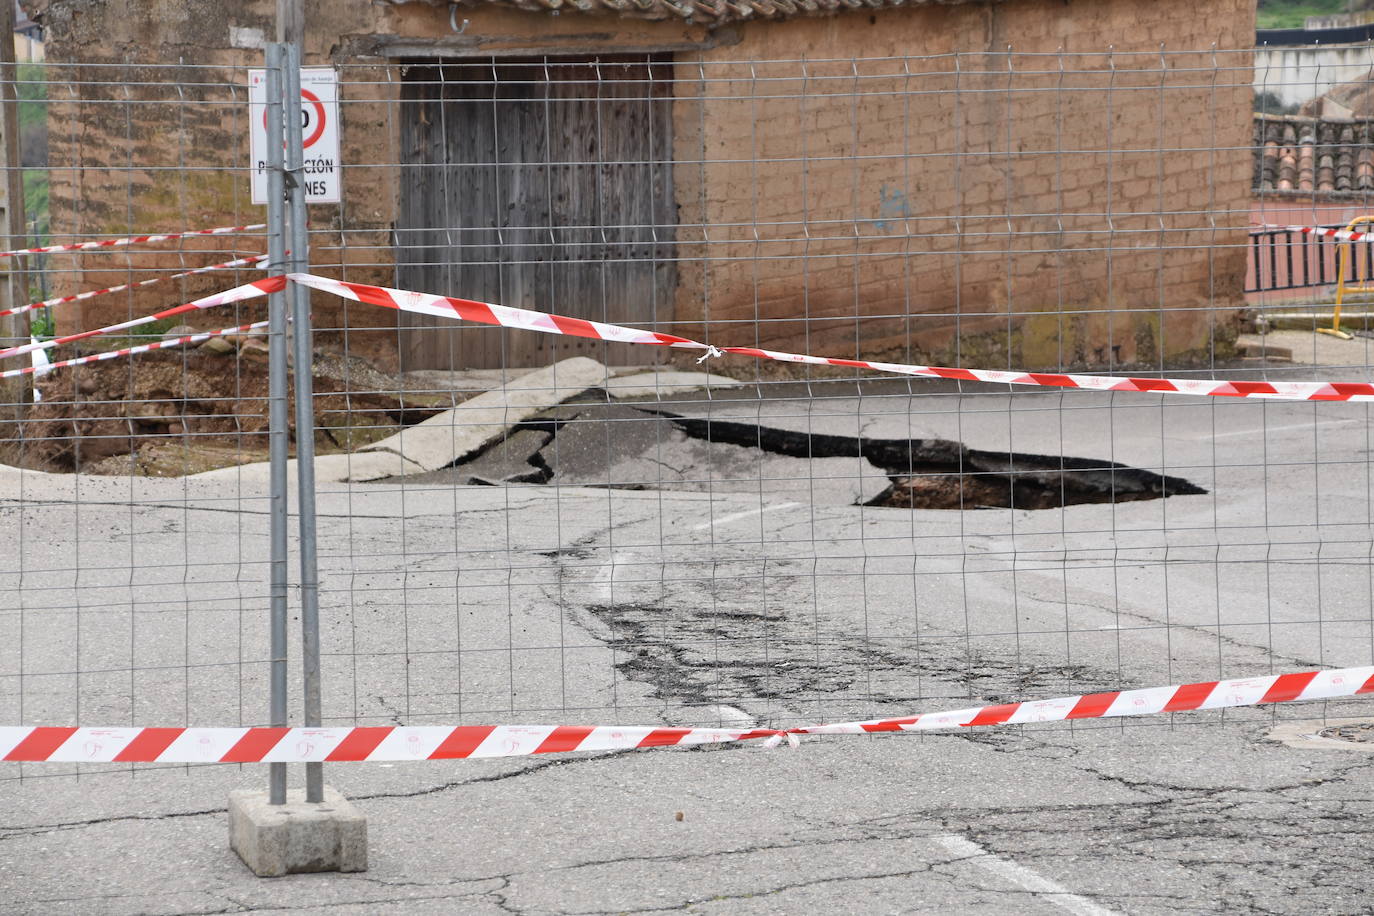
(1033, 183)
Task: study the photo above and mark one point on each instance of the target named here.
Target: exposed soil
(181, 412)
(998, 491)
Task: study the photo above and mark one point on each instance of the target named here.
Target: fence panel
(134, 592)
(775, 544)
(532, 520)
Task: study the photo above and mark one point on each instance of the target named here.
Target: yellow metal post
(1342, 262)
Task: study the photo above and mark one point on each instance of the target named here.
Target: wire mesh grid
(523, 527)
(129, 597)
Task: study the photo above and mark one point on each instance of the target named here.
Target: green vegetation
(36, 203)
(33, 157)
(33, 147)
(33, 87)
(41, 325)
(1290, 14)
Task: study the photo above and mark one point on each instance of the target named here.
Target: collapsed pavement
(639, 447)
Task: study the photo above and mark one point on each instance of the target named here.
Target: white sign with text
(319, 133)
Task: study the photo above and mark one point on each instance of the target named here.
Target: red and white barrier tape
(237, 294)
(131, 240)
(199, 337)
(1342, 235)
(488, 313)
(1246, 691)
(442, 742)
(90, 294)
(525, 319)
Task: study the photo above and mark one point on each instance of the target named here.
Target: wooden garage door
(541, 184)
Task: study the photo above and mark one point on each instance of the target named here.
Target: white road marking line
(1022, 876)
(1280, 429)
(727, 519)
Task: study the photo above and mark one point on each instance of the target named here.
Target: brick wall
(1048, 218)
(933, 207)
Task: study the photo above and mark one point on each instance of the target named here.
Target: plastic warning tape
(1247, 691)
(488, 313)
(90, 294)
(237, 294)
(1343, 235)
(198, 337)
(443, 742)
(130, 240)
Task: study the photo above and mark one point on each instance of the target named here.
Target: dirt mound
(176, 412)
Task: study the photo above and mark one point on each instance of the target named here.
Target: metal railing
(1282, 259)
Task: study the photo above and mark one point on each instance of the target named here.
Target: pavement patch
(1326, 735)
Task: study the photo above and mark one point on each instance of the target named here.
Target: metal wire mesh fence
(534, 521)
(132, 593)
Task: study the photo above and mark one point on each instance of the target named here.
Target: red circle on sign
(319, 117)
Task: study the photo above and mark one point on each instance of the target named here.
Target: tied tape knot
(711, 353)
(777, 738)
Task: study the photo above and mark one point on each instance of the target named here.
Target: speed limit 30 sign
(319, 114)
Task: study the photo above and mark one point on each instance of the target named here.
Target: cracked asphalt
(756, 594)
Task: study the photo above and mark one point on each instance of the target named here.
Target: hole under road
(621, 446)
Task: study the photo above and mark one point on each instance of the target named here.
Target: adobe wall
(137, 148)
(834, 219)
(897, 202)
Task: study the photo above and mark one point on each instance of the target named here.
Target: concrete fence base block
(275, 840)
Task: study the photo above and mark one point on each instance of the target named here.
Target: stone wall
(858, 203)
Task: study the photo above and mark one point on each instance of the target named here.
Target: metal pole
(277, 408)
(290, 21)
(305, 415)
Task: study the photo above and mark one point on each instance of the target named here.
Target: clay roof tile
(1313, 156)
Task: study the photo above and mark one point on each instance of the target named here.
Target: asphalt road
(731, 585)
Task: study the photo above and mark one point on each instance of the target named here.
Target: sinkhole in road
(627, 447)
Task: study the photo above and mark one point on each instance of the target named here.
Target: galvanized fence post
(277, 407)
(305, 415)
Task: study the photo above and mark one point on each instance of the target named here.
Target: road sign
(319, 131)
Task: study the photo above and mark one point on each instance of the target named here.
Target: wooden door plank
(553, 194)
